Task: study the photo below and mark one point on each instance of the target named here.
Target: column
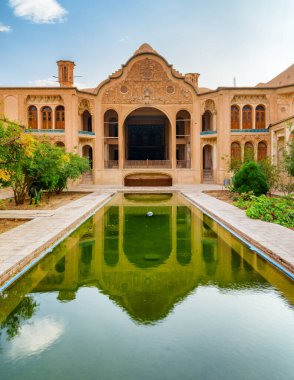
(214, 121)
(121, 142)
(253, 117)
(39, 121)
(53, 116)
(173, 156)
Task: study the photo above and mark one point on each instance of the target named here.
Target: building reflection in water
(146, 265)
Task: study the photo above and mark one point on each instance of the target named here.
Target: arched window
(60, 144)
(46, 118)
(247, 117)
(260, 117)
(235, 117)
(59, 117)
(87, 152)
(87, 121)
(32, 117)
(207, 121)
(113, 127)
(261, 151)
(248, 151)
(236, 151)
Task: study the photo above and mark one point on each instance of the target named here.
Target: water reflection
(146, 265)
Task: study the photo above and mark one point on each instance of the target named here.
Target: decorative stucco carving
(85, 105)
(44, 99)
(250, 99)
(147, 82)
(209, 105)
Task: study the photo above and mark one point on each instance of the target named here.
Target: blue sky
(220, 39)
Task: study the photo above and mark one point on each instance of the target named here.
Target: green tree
(25, 160)
(71, 169)
(250, 178)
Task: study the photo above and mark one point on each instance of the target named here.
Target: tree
(25, 160)
(250, 178)
(72, 167)
(272, 172)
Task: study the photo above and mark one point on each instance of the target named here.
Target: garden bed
(47, 203)
(8, 224)
(277, 210)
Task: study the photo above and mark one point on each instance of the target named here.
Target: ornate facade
(148, 120)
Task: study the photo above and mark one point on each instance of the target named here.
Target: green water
(126, 296)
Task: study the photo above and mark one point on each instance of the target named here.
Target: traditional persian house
(148, 123)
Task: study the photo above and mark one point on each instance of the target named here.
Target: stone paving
(21, 245)
(270, 238)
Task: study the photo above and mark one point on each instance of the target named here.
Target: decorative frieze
(43, 99)
(147, 82)
(249, 99)
(209, 105)
(85, 105)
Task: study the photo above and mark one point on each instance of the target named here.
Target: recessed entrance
(147, 135)
(207, 162)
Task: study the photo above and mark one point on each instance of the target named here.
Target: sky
(252, 41)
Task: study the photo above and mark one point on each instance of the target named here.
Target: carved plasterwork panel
(251, 138)
(209, 105)
(44, 99)
(249, 99)
(146, 83)
(85, 105)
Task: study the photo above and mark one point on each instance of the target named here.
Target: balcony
(147, 164)
(86, 134)
(183, 164)
(49, 131)
(208, 133)
(111, 164)
(249, 130)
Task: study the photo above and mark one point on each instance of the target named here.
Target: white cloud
(4, 28)
(35, 337)
(39, 11)
(49, 82)
(123, 39)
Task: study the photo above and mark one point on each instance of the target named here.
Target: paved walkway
(272, 239)
(21, 245)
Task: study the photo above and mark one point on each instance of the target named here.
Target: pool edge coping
(276, 260)
(25, 264)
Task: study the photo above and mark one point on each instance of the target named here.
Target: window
(260, 117)
(32, 117)
(235, 117)
(248, 151)
(46, 118)
(236, 151)
(59, 118)
(247, 117)
(261, 151)
(207, 121)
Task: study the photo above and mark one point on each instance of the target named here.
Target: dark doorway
(146, 142)
(146, 132)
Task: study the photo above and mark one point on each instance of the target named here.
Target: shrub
(250, 178)
(275, 210)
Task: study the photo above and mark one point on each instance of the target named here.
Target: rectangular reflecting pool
(131, 296)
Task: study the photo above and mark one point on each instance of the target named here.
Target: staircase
(207, 176)
(87, 178)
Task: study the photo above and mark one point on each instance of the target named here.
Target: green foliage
(25, 160)
(272, 172)
(289, 157)
(72, 170)
(24, 311)
(275, 210)
(250, 178)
